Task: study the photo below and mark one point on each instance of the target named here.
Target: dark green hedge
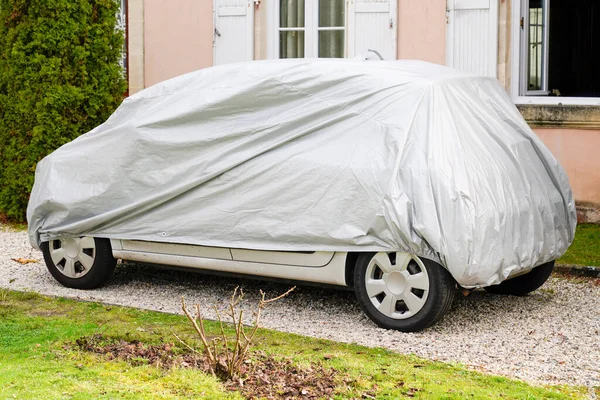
(59, 78)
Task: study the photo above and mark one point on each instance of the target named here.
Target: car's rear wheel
(524, 284)
(80, 262)
(402, 291)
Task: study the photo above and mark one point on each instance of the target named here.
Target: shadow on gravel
(320, 297)
(480, 307)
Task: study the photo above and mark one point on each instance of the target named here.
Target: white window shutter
(372, 26)
(233, 31)
(472, 36)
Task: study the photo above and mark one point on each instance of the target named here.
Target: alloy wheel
(397, 284)
(73, 257)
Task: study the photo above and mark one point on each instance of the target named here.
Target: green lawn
(585, 249)
(36, 360)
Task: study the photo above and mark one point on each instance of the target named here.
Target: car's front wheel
(402, 291)
(79, 262)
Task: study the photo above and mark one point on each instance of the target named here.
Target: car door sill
(333, 273)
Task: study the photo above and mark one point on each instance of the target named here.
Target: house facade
(546, 53)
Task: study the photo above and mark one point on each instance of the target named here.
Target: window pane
(291, 13)
(331, 13)
(291, 44)
(331, 44)
(535, 46)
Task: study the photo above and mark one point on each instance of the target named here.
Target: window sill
(561, 116)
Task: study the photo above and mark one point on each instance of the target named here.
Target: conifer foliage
(59, 78)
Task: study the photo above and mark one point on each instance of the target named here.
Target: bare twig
(199, 329)
(185, 344)
(265, 302)
(234, 357)
(224, 337)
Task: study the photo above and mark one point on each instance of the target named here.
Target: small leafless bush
(227, 356)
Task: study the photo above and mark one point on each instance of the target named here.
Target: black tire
(98, 274)
(441, 293)
(524, 284)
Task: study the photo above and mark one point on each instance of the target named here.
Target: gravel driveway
(549, 337)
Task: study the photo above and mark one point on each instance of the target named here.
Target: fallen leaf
(24, 260)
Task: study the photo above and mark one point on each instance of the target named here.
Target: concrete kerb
(578, 270)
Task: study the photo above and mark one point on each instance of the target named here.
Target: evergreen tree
(59, 78)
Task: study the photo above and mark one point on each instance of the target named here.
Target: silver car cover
(317, 155)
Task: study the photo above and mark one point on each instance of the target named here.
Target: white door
(233, 31)
(301, 259)
(472, 36)
(372, 26)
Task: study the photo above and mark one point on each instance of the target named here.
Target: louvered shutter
(233, 31)
(372, 25)
(472, 36)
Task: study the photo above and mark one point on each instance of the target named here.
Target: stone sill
(588, 212)
(561, 116)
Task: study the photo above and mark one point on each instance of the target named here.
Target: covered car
(317, 156)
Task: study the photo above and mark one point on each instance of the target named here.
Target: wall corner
(135, 51)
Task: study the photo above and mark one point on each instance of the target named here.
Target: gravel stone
(549, 337)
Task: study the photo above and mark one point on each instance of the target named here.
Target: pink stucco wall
(177, 38)
(578, 152)
(422, 30)
(178, 35)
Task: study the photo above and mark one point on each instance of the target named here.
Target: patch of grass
(35, 361)
(5, 225)
(585, 249)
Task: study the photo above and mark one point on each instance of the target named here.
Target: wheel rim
(397, 284)
(73, 257)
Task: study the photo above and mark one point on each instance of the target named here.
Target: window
(559, 51)
(311, 28)
(535, 58)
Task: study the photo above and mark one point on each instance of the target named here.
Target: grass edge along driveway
(38, 360)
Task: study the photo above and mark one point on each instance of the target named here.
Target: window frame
(518, 73)
(525, 49)
(311, 29)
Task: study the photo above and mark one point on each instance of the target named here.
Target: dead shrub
(226, 357)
